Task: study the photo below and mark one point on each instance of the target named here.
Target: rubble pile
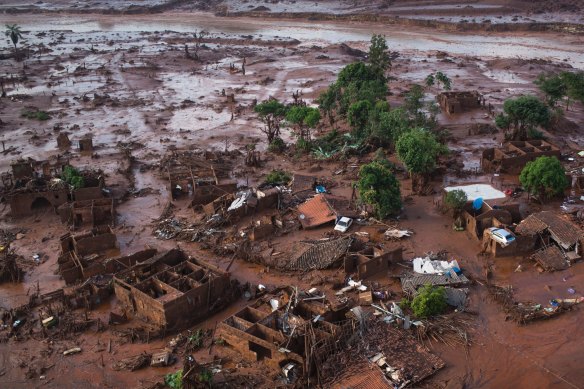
(525, 312)
(10, 271)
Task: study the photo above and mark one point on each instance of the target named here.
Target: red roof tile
(315, 212)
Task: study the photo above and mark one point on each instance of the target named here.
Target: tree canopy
(379, 187)
(523, 114)
(430, 301)
(305, 118)
(378, 54)
(545, 177)
(358, 116)
(553, 87)
(418, 149)
(14, 33)
(456, 200)
(271, 112)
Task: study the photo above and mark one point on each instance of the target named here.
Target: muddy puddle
(547, 46)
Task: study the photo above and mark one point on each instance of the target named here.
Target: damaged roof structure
(292, 329)
(320, 254)
(552, 229)
(201, 175)
(173, 290)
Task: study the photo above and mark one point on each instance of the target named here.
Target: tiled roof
(369, 377)
(410, 283)
(315, 212)
(551, 258)
(563, 231)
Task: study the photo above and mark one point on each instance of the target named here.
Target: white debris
(427, 266)
(394, 233)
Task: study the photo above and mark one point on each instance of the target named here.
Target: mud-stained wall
(96, 244)
(90, 193)
(204, 194)
(21, 204)
(367, 266)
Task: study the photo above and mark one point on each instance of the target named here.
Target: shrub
(277, 145)
(429, 301)
(36, 115)
(278, 177)
(174, 380)
(73, 177)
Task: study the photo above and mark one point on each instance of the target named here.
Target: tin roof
(315, 212)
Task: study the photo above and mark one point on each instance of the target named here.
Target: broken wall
(21, 204)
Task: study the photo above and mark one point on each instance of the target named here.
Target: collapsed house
(558, 241)
(90, 213)
(84, 255)
(457, 102)
(411, 282)
(512, 157)
(293, 330)
(35, 185)
(203, 177)
(372, 261)
(173, 290)
(386, 357)
(315, 255)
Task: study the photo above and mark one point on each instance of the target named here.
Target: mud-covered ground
(127, 81)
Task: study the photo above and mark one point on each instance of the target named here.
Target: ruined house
(173, 290)
(85, 144)
(36, 185)
(549, 229)
(372, 261)
(203, 177)
(88, 212)
(457, 102)
(83, 255)
(63, 141)
(288, 334)
(512, 157)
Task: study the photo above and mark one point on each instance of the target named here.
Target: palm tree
(13, 31)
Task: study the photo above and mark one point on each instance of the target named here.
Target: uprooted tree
(379, 188)
(545, 178)
(418, 149)
(522, 116)
(271, 113)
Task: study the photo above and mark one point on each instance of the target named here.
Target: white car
(343, 224)
(504, 237)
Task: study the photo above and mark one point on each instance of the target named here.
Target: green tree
(553, 86)
(327, 101)
(523, 114)
(456, 200)
(429, 301)
(357, 72)
(271, 112)
(358, 117)
(391, 126)
(378, 54)
(379, 187)
(440, 78)
(574, 87)
(304, 118)
(278, 177)
(545, 177)
(418, 149)
(14, 33)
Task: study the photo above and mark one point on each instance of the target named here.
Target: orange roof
(315, 212)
